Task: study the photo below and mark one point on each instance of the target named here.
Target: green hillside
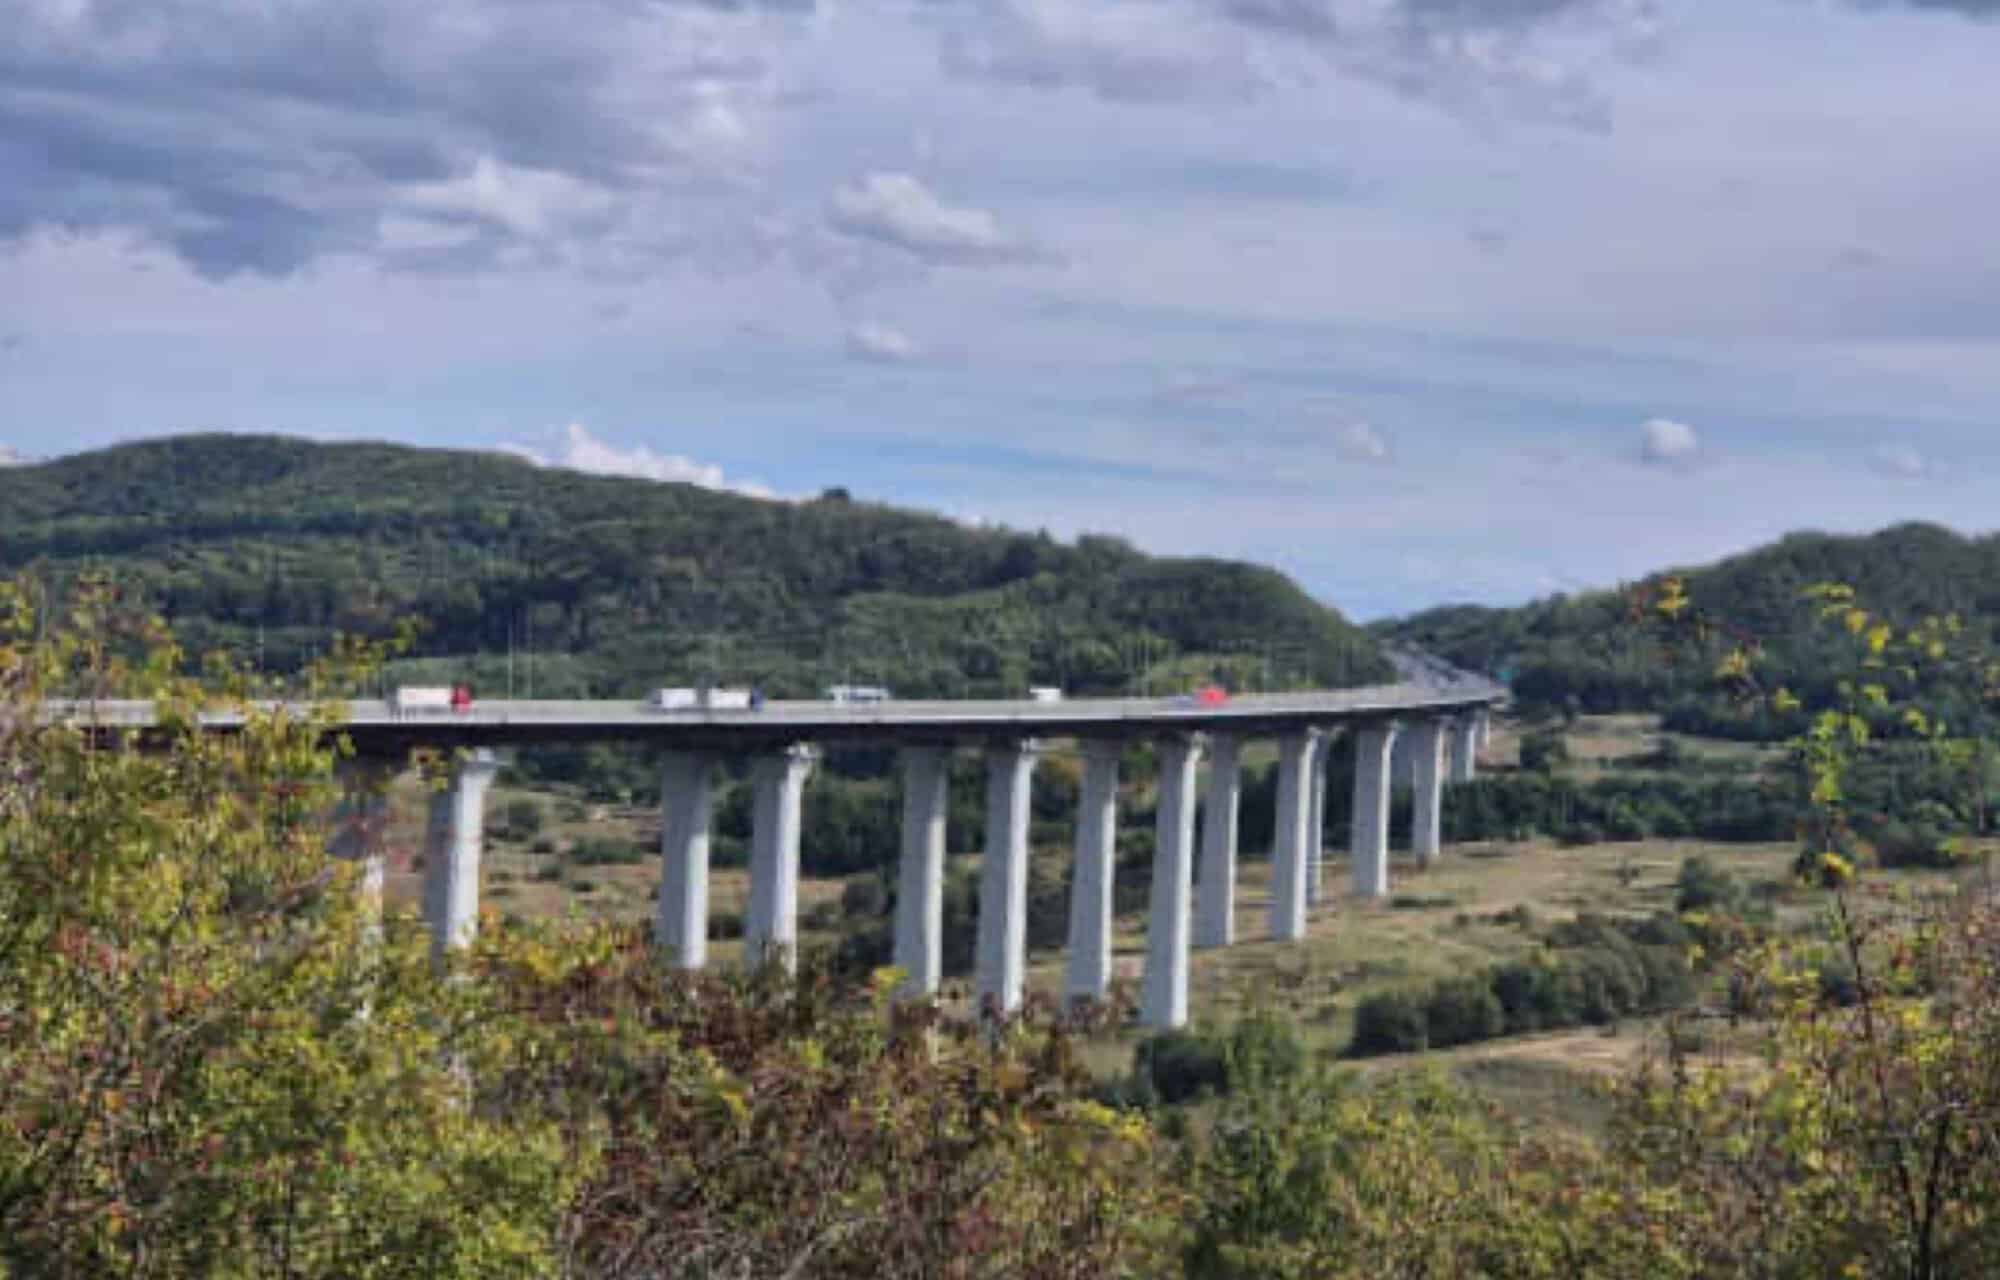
(1584, 651)
(265, 546)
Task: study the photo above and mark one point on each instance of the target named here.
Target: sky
(1420, 300)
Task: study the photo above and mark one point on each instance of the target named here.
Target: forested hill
(1585, 647)
(266, 546)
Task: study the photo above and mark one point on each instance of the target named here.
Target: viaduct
(1436, 726)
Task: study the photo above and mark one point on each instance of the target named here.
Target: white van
(1045, 693)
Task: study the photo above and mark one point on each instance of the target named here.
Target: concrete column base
(361, 831)
(1164, 1002)
(454, 840)
(771, 930)
(1215, 900)
(920, 876)
(1091, 886)
(680, 926)
(1427, 786)
(1368, 845)
(1289, 844)
(1003, 877)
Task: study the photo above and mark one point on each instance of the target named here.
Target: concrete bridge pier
(1427, 784)
(361, 830)
(1368, 845)
(920, 875)
(1215, 903)
(1002, 937)
(454, 838)
(1464, 748)
(1165, 999)
(1289, 840)
(680, 926)
(771, 931)
(1091, 886)
(1322, 751)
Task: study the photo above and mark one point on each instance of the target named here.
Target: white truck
(422, 699)
(856, 693)
(1045, 693)
(689, 699)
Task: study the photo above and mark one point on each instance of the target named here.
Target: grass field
(1438, 922)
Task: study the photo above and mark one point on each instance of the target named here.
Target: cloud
(1664, 442)
(1899, 460)
(1968, 8)
(582, 451)
(881, 344)
(1472, 57)
(1359, 442)
(896, 209)
(1121, 50)
(260, 138)
(10, 457)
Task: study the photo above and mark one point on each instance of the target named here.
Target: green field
(1458, 917)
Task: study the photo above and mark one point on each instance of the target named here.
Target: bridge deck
(494, 722)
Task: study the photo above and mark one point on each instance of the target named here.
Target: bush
(523, 818)
(1181, 1065)
(1668, 823)
(1702, 886)
(1259, 1049)
(598, 852)
(1460, 1011)
(864, 896)
(1390, 1022)
(1543, 750)
(1262, 1048)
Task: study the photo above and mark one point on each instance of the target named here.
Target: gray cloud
(1473, 57)
(1121, 50)
(1970, 8)
(256, 139)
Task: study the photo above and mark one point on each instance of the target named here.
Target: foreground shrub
(1390, 1022)
(209, 1064)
